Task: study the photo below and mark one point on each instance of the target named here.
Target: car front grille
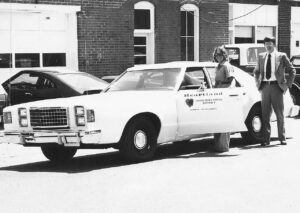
(49, 117)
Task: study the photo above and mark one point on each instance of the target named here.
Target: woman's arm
(229, 74)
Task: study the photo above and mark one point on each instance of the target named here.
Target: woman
(224, 78)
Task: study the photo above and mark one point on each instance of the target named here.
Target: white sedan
(145, 106)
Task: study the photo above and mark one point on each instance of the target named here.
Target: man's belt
(269, 82)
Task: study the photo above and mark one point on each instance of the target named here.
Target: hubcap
(256, 124)
(140, 139)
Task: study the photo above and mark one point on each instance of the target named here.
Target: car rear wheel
(254, 124)
(139, 140)
(58, 153)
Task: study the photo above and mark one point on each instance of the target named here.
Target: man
(270, 79)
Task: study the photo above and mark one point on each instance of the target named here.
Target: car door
(204, 109)
(20, 88)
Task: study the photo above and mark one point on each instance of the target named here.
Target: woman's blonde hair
(220, 50)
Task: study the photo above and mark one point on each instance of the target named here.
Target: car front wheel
(254, 125)
(139, 140)
(58, 153)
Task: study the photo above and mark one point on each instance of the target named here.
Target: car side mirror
(201, 89)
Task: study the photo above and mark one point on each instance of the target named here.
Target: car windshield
(234, 56)
(253, 52)
(296, 61)
(82, 82)
(150, 79)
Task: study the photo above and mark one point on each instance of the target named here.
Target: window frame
(195, 9)
(148, 33)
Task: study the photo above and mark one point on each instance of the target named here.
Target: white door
(210, 111)
(295, 39)
(33, 39)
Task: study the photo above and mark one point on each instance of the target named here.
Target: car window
(150, 79)
(234, 56)
(253, 52)
(44, 83)
(296, 61)
(212, 74)
(194, 78)
(24, 81)
(237, 74)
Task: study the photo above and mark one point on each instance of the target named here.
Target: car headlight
(90, 115)
(79, 115)
(23, 121)
(7, 118)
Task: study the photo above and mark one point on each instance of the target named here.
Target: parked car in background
(295, 90)
(244, 56)
(146, 106)
(34, 85)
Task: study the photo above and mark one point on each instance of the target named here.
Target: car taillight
(90, 115)
(23, 121)
(79, 115)
(7, 118)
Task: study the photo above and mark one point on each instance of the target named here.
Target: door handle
(28, 93)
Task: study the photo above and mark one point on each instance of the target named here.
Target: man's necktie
(268, 71)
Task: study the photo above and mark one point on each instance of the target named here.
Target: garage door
(38, 38)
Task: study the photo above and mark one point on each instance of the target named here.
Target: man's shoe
(283, 142)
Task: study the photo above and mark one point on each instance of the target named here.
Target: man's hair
(269, 39)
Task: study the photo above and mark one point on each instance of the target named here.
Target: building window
(27, 60)
(54, 59)
(140, 50)
(263, 31)
(144, 42)
(244, 34)
(5, 60)
(189, 32)
(142, 19)
(253, 34)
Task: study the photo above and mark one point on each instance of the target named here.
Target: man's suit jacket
(282, 65)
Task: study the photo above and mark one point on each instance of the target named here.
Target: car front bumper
(65, 138)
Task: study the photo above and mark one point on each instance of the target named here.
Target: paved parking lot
(181, 178)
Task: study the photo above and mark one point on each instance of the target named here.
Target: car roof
(174, 64)
(244, 45)
(50, 71)
(295, 56)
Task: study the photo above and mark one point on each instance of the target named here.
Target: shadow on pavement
(296, 118)
(193, 149)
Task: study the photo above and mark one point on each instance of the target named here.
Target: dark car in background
(34, 85)
(295, 90)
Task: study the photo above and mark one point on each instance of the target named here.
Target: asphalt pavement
(181, 178)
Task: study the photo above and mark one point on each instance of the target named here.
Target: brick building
(104, 37)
